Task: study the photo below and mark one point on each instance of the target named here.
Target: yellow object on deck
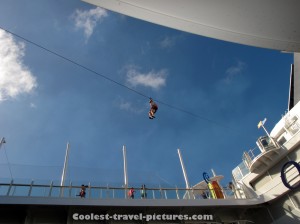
(215, 190)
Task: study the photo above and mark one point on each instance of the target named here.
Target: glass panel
(93, 193)
(294, 128)
(44, 189)
(244, 169)
(19, 190)
(40, 191)
(55, 192)
(236, 173)
(158, 194)
(282, 140)
(292, 125)
(4, 189)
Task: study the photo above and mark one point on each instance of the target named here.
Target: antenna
(125, 170)
(2, 141)
(184, 172)
(63, 176)
(261, 124)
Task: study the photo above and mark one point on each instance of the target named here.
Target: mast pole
(2, 141)
(272, 140)
(63, 176)
(184, 172)
(125, 170)
(261, 124)
(213, 172)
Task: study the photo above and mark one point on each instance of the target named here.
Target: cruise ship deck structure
(265, 185)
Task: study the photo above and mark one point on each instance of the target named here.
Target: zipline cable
(8, 163)
(72, 61)
(107, 78)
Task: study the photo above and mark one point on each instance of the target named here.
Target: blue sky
(46, 101)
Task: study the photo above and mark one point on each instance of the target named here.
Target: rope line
(109, 79)
(72, 61)
(8, 163)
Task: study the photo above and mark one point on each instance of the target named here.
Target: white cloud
(234, 70)
(146, 47)
(125, 105)
(169, 41)
(15, 77)
(88, 19)
(32, 105)
(151, 79)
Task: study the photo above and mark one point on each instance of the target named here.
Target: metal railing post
(89, 190)
(70, 189)
(9, 188)
(50, 190)
(30, 188)
(177, 195)
(107, 191)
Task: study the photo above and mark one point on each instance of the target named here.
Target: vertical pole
(63, 177)
(213, 172)
(266, 131)
(125, 171)
(261, 124)
(269, 135)
(184, 172)
(2, 141)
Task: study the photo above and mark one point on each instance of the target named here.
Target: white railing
(100, 192)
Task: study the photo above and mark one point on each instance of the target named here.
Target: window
(292, 125)
(281, 140)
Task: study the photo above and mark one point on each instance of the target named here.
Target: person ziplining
(153, 109)
(69, 60)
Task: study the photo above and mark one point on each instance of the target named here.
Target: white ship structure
(265, 186)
